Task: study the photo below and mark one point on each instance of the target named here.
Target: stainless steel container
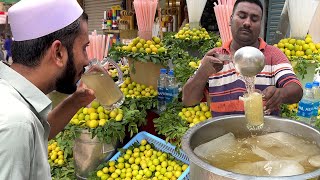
(216, 127)
(249, 61)
(90, 153)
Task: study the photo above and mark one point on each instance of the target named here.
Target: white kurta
(24, 129)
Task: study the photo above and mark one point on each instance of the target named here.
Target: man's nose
(247, 22)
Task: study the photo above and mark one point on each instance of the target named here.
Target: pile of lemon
(293, 107)
(196, 114)
(194, 65)
(154, 46)
(143, 162)
(132, 89)
(95, 116)
(113, 72)
(305, 48)
(192, 34)
(55, 154)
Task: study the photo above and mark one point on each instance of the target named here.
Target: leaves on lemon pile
(160, 58)
(185, 44)
(300, 65)
(171, 125)
(65, 142)
(287, 113)
(182, 52)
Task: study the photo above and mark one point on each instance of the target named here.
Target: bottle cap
(315, 84)
(171, 73)
(163, 71)
(308, 85)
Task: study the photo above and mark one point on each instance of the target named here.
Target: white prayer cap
(31, 19)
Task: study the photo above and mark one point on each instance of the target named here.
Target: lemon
(81, 116)
(148, 50)
(287, 52)
(113, 114)
(102, 122)
(119, 117)
(154, 50)
(91, 110)
(139, 45)
(207, 114)
(192, 63)
(292, 41)
(218, 44)
(308, 40)
(85, 111)
(184, 167)
(134, 49)
(60, 162)
(205, 108)
(95, 104)
(196, 108)
(143, 142)
(124, 48)
(136, 40)
(142, 41)
(156, 40)
(161, 50)
(93, 123)
(308, 52)
(187, 114)
(202, 118)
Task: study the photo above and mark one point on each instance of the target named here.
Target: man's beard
(66, 82)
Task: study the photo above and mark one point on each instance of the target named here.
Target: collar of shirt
(226, 46)
(33, 95)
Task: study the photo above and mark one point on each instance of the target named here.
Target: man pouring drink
(277, 81)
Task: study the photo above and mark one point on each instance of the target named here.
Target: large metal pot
(216, 127)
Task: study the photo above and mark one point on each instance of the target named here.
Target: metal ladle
(249, 61)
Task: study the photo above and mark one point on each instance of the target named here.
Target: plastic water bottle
(305, 109)
(316, 101)
(162, 83)
(172, 87)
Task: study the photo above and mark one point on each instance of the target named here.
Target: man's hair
(30, 52)
(257, 2)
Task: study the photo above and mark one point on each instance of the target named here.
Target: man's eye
(254, 18)
(242, 16)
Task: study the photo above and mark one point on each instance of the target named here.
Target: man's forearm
(192, 91)
(60, 116)
(292, 93)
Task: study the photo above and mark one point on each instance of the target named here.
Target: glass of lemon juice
(253, 108)
(98, 79)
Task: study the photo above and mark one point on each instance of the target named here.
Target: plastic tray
(161, 145)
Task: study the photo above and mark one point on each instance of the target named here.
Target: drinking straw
(145, 13)
(107, 46)
(223, 12)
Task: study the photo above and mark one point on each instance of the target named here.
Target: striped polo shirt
(225, 87)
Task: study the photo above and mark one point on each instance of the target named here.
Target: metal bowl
(249, 61)
(216, 127)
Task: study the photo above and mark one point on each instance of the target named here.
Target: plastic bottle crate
(161, 145)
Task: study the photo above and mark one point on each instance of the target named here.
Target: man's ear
(230, 20)
(59, 53)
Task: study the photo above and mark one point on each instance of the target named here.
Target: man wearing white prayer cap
(48, 53)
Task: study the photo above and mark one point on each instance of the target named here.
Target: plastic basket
(161, 145)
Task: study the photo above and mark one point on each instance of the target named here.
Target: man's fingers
(213, 60)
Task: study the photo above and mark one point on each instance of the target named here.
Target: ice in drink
(106, 91)
(253, 108)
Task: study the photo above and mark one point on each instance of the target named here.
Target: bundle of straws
(223, 12)
(99, 46)
(145, 13)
